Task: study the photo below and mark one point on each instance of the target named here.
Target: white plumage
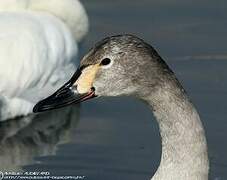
(38, 46)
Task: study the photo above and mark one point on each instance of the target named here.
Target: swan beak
(66, 95)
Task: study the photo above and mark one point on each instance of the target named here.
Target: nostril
(93, 89)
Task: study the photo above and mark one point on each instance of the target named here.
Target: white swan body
(71, 12)
(37, 52)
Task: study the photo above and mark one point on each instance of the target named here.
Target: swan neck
(184, 148)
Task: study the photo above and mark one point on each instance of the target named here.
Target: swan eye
(105, 62)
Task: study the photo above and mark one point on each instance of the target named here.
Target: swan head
(116, 66)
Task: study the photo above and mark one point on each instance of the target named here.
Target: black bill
(66, 95)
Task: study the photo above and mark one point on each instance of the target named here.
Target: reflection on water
(24, 138)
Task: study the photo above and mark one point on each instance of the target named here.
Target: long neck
(184, 148)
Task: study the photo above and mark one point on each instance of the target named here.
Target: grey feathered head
(124, 63)
(117, 65)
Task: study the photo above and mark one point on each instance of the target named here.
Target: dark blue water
(115, 139)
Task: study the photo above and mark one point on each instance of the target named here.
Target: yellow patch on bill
(85, 81)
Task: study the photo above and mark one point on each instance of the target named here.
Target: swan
(126, 65)
(38, 47)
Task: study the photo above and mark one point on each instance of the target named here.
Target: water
(117, 138)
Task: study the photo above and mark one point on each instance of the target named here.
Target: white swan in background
(38, 46)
